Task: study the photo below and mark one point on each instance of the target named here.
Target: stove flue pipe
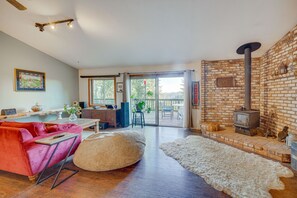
(247, 78)
(247, 50)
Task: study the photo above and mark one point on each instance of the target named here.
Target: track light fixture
(69, 24)
(53, 24)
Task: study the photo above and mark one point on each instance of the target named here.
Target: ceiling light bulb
(70, 25)
(53, 26)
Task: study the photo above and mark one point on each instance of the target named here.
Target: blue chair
(167, 111)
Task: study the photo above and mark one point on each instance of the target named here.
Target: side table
(56, 140)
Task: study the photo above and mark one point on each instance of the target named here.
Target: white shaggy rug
(227, 169)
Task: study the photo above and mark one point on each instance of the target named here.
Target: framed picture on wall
(26, 80)
(195, 94)
(120, 87)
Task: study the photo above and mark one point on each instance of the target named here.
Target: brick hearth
(267, 147)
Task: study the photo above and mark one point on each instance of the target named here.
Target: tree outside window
(102, 92)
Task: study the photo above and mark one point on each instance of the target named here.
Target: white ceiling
(148, 32)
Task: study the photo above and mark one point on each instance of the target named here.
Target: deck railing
(162, 103)
(104, 101)
(174, 103)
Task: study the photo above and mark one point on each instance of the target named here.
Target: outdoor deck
(165, 121)
(175, 104)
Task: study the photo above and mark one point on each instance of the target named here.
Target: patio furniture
(167, 111)
(180, 114)
(180, 111)
(140, 118)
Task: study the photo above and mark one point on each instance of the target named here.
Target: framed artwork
(26, 80)
(225, 82)
(195, 94)
(120, 87)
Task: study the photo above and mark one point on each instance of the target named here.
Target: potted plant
(72, 110)
(140, 105)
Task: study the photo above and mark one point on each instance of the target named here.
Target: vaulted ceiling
(148, 32)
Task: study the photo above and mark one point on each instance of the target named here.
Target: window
(102, 91)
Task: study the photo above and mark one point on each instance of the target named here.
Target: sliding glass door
(171, 101)
(163, 97)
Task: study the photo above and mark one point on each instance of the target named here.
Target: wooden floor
(156, 175)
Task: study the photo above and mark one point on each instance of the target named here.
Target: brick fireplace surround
(270, 91)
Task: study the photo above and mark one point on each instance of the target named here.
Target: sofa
(20, 154)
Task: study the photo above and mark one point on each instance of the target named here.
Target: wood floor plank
(156, 175)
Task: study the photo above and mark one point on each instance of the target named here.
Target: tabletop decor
(36, 107)
(73, 110)
(26, 80)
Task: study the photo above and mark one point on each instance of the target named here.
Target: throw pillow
(35, 128)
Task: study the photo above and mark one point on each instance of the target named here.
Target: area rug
(227, 169)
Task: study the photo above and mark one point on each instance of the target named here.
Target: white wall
(61, 79)
(83, 82)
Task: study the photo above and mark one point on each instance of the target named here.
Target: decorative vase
(72, 117)
(36, 108)
(59, 115)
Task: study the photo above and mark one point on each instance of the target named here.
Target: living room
(192, 98)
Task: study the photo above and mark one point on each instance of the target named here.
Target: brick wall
(218, 104)
(279, 91)
(269, 91)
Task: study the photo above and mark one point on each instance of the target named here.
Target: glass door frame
(157, 77)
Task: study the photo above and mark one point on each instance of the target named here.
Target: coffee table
(83, 122)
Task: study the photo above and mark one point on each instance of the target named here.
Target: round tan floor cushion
(109, 151)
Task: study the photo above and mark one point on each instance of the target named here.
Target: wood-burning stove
(247, 119)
